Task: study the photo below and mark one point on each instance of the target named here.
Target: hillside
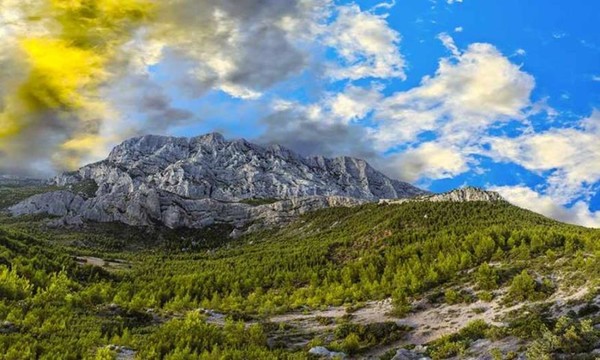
(365, 281)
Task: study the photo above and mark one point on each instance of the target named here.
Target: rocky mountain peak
(467, 194)
(209, 166)
(210, 138)
(204, 180)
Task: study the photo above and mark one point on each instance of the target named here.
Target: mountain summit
(205, 180)
(209, 166)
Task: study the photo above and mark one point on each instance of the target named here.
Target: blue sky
(545, 55)
(440, 93)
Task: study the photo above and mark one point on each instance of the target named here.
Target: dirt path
(106, 264)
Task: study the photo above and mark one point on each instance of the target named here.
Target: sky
(503, 95)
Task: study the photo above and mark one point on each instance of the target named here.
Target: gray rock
(211, 167)
(466, 194)
(322, 351)
(122, 352)
(196, 182)
(404, 354)
(458, 195)
(56, 203)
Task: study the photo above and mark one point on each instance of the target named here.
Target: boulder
(322, 351)
(405, 354)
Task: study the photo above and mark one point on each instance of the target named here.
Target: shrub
(351, 343)
(522, 287)
(486, 277)
(485, 296)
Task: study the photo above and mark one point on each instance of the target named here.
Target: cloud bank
(65, 65)
(79, 76)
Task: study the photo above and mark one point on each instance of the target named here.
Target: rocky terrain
(162, 208)
(457, 195)
(206, 180)
(209, 166)
(459, 275)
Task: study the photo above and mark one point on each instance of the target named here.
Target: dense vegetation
(52, 307)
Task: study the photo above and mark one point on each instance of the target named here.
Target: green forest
(149, 292)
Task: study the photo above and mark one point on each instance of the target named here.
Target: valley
(443, 279)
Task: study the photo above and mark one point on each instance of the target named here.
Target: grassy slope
(330, 257)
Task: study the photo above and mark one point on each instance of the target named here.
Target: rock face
(181, 182)
(162, 208)
(466, 194)
(209, 166)
(458, 195)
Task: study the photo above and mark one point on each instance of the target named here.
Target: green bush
(486, 277)
(522, 287)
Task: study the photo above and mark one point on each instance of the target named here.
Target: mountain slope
(471, 259)
(206, 180)
(209, 166)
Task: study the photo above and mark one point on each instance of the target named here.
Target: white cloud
(527, 198)
(366, 44)
(454, 1)
(385, 5)
(469, 92)
(431, 160)
(595, 77)
(458, 29)
(572, 155)
(353, 103)
(240, 49)
(559, 35)
(520, 52)
(449, 44)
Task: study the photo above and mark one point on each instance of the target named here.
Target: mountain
(209, 166)
(205, 180)
(448, 279)
(11, 180)
(465, 194)
(347, 271)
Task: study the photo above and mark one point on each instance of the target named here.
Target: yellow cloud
(84, 144)
(100, 24)
(60, 73)
(9, 125)
(63, 67)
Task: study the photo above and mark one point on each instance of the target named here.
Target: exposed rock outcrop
(466, 194)
(209, 166)
(153, 207)
(458, 195)
(206, 180)
(404, 354)
(323, 352)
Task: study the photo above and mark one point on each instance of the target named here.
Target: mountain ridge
(208, 166)
(207, 180)
(464, 194)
